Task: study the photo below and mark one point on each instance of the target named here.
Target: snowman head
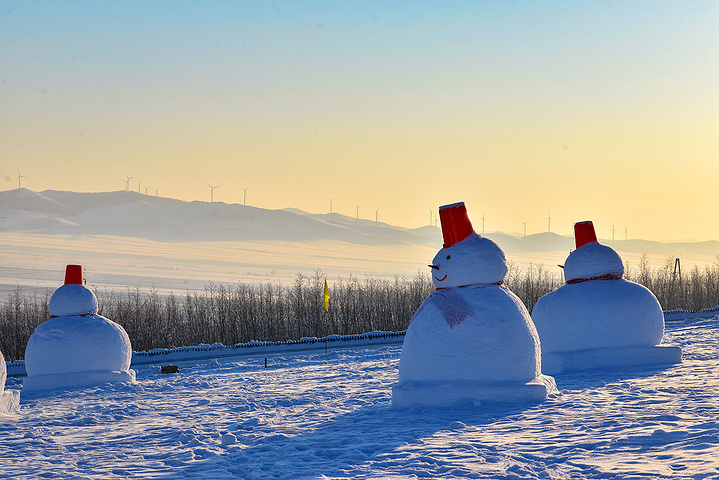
(467, 258)
(591, 260)
(73, 298)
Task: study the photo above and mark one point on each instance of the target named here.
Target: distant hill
(132, 214)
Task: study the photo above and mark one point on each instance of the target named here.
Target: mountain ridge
(134, 214)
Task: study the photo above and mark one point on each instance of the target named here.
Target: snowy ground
(35, 262)
(329, 415)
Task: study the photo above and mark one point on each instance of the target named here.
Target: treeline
(694, 289)
(238, 313)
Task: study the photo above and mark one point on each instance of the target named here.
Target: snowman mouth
(441, 279)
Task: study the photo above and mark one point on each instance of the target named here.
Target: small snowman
(472, 340)
(9, 399)
(598, 319)
(76, 346)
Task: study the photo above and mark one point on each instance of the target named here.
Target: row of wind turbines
(139, 184)
(127, 179)
(433, 218)
(212, 194)
(376, 212)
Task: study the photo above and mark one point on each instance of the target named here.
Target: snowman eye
(449, 256)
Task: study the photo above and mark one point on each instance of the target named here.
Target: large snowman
(9, 399)
(472, 340)
(76, 346)
(598, 319)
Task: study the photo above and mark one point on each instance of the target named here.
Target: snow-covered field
(321, 415)
(36, 262)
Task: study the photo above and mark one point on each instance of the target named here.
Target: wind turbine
(612, 233)
(127, 182)
(331, 200)
(244, 197)
(146, 190)
(625, 234)
(549, 222)
(430, 216)
(212, 192)
(138, 186)
(525, 228)
(357, 212)
(376, 216)
(482, 223)
(156, 190)
(19, 178)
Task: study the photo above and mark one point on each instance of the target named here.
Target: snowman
(472, 340)
(598, 319)
(9, 399)
(76, 346)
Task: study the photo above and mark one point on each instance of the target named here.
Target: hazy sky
(607, 111)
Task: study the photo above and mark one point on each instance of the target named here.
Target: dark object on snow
(169, 369)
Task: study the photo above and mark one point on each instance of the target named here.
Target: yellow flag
(326, 300)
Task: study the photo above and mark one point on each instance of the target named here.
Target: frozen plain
(329, 415)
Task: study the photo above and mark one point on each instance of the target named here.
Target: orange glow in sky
(524, 111)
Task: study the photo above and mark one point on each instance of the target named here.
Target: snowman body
(472, 340)
(598, 319)
(76, 346)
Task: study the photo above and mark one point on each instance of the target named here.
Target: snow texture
(330, 416)
(77, 350)
(72, 299)
(205, 351)
(592, 260)
(471, 341)
(599, 323)
(3, 372)
(9, 399)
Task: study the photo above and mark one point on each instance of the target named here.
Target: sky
(545, 112)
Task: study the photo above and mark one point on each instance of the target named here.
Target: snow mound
(598, 314)
(72, 299)
(78, 379)
(439, 394)
(77, 350)
(592, 260)
(3, 372)
(10, 399)
(601, 324)
(610, 358)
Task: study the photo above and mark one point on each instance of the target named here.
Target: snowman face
(474, 260)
